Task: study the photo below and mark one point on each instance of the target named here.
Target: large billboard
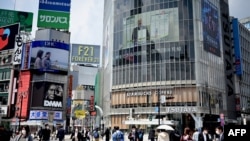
(25, 19)
(47, 94)
(53, 19)
(49, 56)
(55, 5)
(210, 22)
(54, 14)
(85, 54)
(151, 27)
(7, 36)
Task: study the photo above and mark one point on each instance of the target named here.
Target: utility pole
(159, 107)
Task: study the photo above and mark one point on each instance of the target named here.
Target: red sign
(92, 104)
(23, 94)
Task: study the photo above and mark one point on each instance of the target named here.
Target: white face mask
(23, 132)
(217, 132)
(47, 127)
(76, 130)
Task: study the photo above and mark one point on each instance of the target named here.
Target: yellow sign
(80, 114)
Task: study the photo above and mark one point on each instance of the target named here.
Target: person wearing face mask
(46, 133)
(204, 136)
(25, 134)
(220, 134)
(76, 135)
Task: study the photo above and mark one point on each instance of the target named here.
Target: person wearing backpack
(96, 134)
(140, 134)
(118, 135)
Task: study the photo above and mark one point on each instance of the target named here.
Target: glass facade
(153, 41)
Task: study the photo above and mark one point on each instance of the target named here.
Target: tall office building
(241, 44)
(165, 59)
(245, 22)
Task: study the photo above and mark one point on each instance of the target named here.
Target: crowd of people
(135, 134)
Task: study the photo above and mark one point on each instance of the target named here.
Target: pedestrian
(133, 135)
(175, 134)
(186, 135)
(25, 134)
(85, 134)
(4, 134)
(117, 135)
(140, 134)
(96, 134)
(60, 133)
(203, 136)
(195, 135)
(107, 134)
(220, 133)
(76, 135)
(46, 133)
(163, 135)
(151, 135)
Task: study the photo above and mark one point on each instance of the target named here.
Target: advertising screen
(7, 36)
(25, 19)
(49, 56)
(210, 24)
(148, 27)
(48, 94)
(82, 54)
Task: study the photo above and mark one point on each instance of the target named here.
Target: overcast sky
(87, 16)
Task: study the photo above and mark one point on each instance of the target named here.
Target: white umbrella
(165, 127)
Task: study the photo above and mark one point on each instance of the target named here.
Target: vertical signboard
(7, 36)
(210, 24)
(23, 95)
(54, 14)
(237, 52)
(26, 56)
(17, 50)
(25, 19)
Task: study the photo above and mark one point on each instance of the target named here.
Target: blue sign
(38, 115)
(237, 52)
(55, 5)
(51, 44)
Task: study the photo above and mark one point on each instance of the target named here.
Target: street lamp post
(159, 107)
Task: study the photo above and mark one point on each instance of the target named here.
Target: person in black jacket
(46, 133)
(203, 136)
(107, 134)
(60, 133)
(76, 135)
(151, 135)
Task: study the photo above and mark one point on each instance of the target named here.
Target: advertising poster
(7, 36)
(53, 19)
(148, 27)
(85, 54)
(49, 56)
(25, 19)
(47, 94)
(55, 5)
(210, 24)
